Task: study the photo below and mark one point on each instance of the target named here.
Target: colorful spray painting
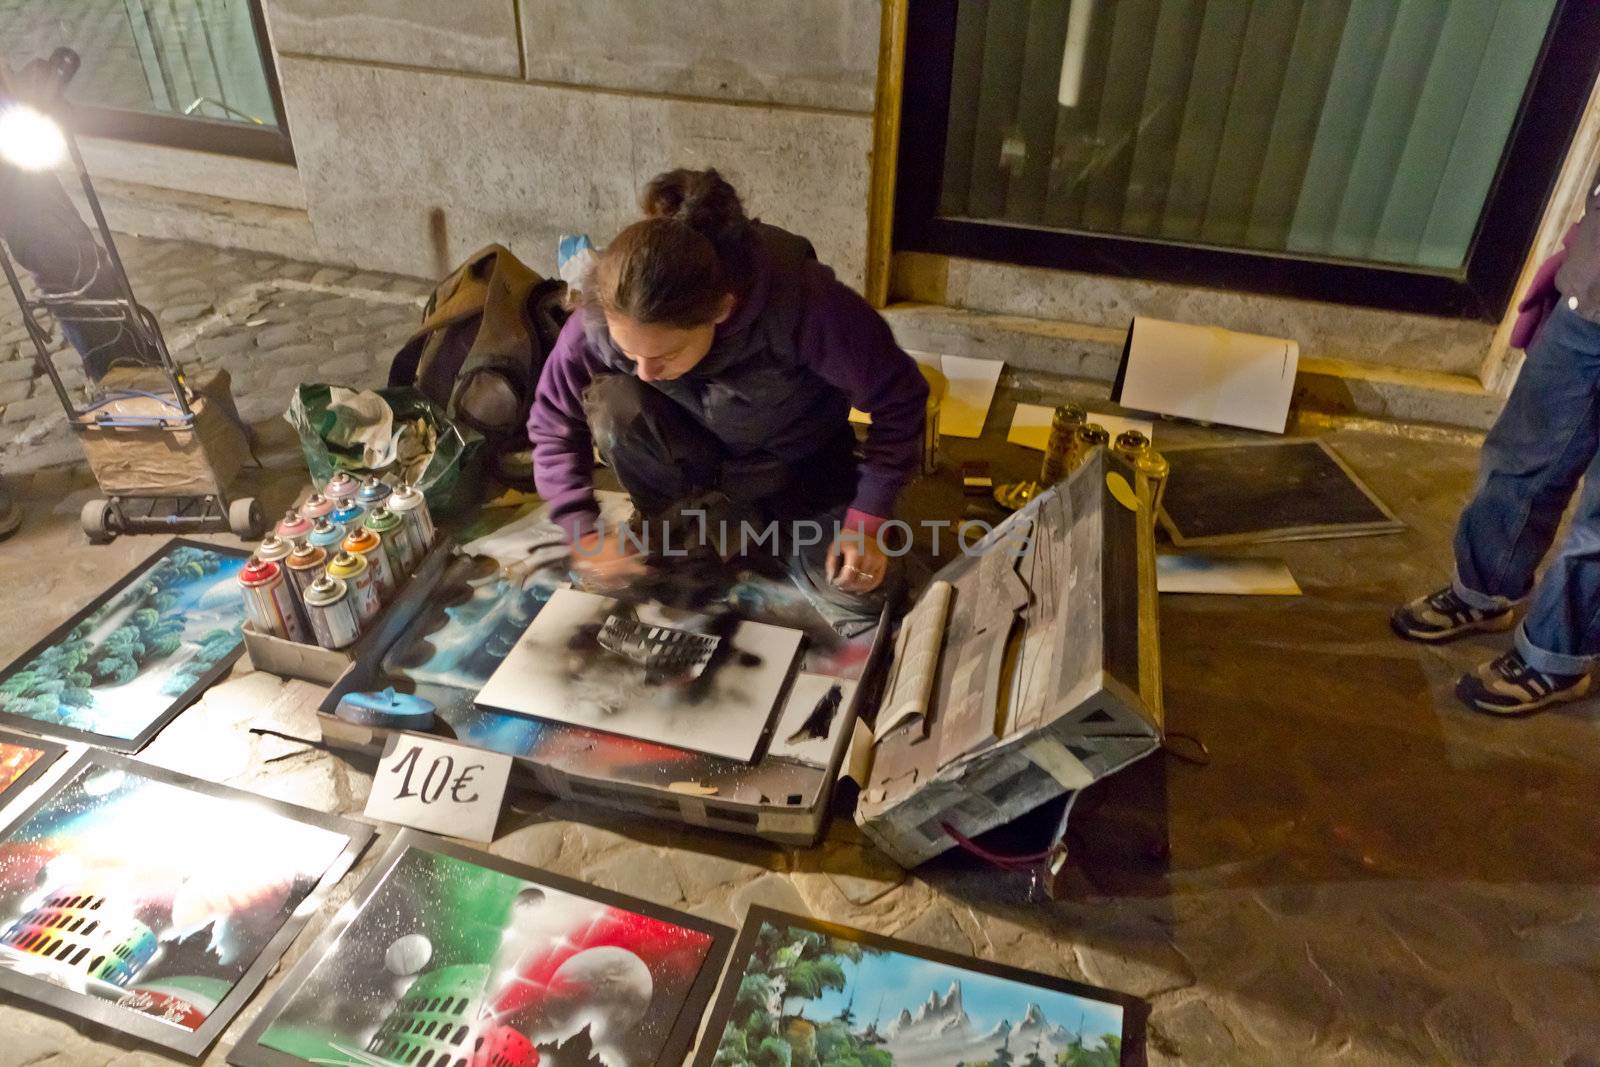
(809, 994)
(154, 903)
(22, 759)
(474, 620)
(450, 958)
(114, 674)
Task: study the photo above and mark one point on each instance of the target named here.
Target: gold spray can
(1058, 448)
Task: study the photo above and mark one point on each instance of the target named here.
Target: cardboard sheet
(1208, 374)
(969, 390)
(1224, 576)
(1030, 426)
(559, 671)
(810, 725)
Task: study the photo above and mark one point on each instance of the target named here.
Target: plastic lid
(258, 571)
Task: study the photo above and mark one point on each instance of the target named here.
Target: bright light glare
(30, 139)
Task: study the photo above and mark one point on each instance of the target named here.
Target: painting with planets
(154, 903)
(22, 759)
(802, 992)
(116, 672)
(451, 958)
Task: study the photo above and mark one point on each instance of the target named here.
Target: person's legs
(1532, 460)
(659, 454)
(1561, 633)
(1540, 446)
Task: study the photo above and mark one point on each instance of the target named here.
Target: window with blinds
(1366, 131)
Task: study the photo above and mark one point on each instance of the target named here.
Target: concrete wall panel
(803, 171)
(1324, 331)
(479, 36)
(521, 164)
(819, 53)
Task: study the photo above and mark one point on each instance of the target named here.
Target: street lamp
(29, 139)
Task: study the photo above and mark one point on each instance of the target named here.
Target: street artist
(714, 362)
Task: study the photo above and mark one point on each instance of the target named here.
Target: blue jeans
(1543, 444)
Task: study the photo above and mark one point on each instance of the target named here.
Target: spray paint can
(274, 549)
(331, 610)
(397, 545)
(354, 572)
(341, 488)
(1090, 436)
(347, 515)
(1129, 444)
(373, 492)
(315, 507)
(363, 542)
(1058, 448)
(409, 503)
(292, 527)
(325, 534)
(268, 604)
(305, 565)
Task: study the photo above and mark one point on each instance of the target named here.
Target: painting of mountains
(810, 994)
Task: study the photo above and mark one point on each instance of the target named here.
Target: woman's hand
(604, 561)
(856, 563)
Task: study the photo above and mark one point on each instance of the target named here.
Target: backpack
(485, 333)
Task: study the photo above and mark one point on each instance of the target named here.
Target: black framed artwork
(447, 957)
(155, 904)
(119, 670)
(22, 760)
(851, 996)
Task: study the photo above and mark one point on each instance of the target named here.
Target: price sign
(440, 787)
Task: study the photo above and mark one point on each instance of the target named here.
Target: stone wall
(425, 130)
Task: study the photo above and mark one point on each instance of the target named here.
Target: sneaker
(1443, 616)
(10, 514)
(1506, 685)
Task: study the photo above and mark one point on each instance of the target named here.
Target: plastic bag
(447, 465)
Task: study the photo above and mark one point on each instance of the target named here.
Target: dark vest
(754, 392)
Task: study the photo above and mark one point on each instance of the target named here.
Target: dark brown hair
(675, 266)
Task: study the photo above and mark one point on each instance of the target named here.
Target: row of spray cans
(330, 565)
(1072, 439)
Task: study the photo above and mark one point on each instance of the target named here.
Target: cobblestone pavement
(270, 323)
(1364, 874)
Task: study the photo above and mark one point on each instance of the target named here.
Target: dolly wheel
(99, 521)
(246, 520)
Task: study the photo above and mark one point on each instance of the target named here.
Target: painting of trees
(142, 626)
(789, 968)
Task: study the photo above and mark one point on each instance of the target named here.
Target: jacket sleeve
(563, 449)
(849, 345)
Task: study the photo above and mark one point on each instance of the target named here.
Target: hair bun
(700, 199)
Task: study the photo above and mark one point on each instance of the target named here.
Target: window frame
(1547, 119)
(196, 133)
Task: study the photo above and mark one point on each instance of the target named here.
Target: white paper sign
(439, 786)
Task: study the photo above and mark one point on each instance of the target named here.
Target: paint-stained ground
(1363, 873)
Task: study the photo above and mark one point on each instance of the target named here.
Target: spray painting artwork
(707, 682)
(451, 958)
(812, 994)
(114, 674)
(154, 903)
(22, 759)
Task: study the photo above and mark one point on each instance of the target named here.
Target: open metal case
(1073, 688)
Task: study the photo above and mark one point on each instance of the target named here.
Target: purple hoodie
(839, 343)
